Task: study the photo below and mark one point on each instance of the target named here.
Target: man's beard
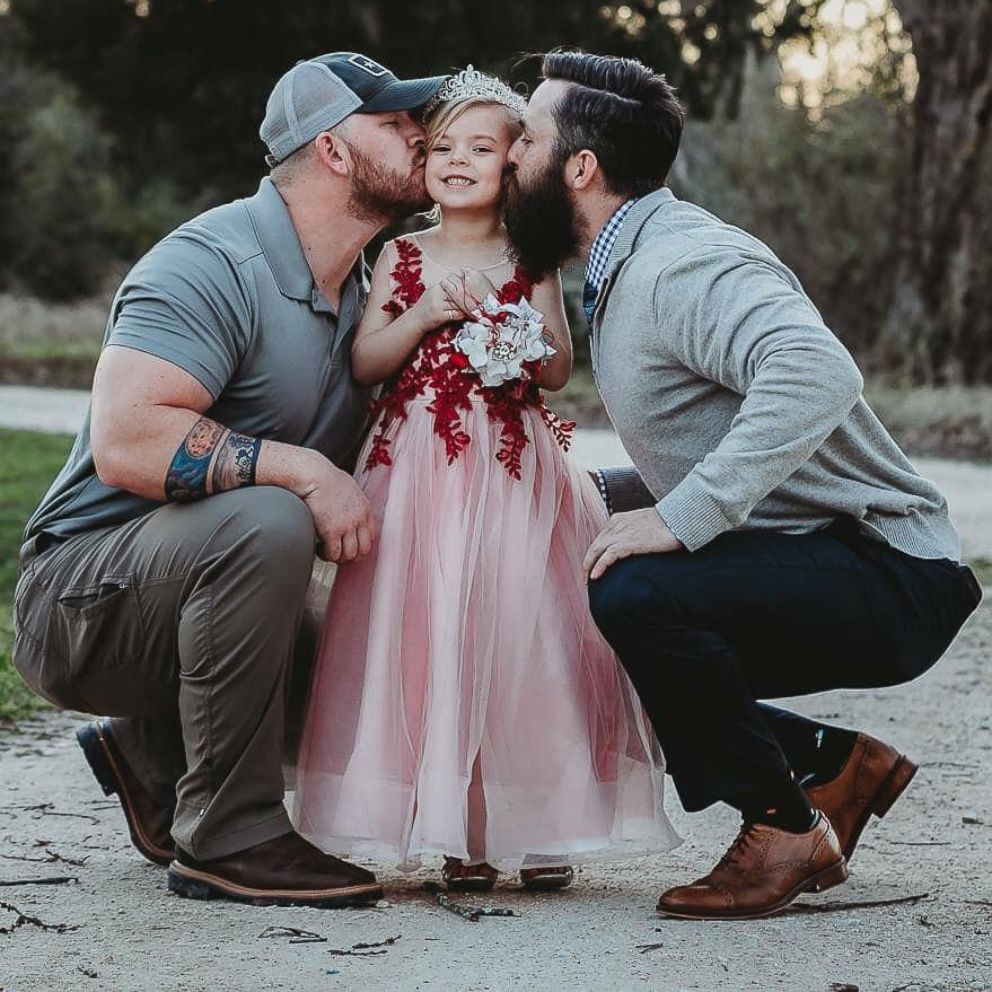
(380, 194)
(541, 221)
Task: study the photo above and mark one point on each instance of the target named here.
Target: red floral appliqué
(437, 366)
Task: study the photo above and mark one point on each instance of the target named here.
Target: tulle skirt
(464, 703)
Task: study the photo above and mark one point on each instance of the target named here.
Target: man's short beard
(541, 221)
(380, 194)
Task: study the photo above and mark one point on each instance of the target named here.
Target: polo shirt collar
(280, 242)
(284, 253)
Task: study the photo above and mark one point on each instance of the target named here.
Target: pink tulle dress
(464, 702)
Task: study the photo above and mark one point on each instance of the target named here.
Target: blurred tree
(182, 84)
(940, 324)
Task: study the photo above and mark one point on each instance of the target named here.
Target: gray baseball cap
(320, 92)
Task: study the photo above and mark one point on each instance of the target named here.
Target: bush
(820, 193)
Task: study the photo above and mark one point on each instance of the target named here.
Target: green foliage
(28, 463)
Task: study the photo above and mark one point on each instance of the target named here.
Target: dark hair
(625, 114)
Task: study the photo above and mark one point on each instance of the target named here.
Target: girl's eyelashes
(442, 149)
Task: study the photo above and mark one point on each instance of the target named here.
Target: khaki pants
(183, 625)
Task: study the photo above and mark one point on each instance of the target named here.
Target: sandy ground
(601, 935)
(132, 935)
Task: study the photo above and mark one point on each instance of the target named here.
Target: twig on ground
(23, 920)
(54, 880)
(920, 843)
(50, 858)
(365, 950)
(840, 907)
(47, 809)
(296, 936)
(470, 913)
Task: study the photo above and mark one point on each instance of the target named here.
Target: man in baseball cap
(214, 462)
(319, 93)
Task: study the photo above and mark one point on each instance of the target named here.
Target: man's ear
(581, 170)
(333, 153)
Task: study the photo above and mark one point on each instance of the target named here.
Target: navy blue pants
(757, 615)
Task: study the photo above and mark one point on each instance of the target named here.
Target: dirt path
(601, 935)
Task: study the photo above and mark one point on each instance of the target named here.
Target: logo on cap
(366, 64)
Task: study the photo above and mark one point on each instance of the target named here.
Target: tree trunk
(940, 323)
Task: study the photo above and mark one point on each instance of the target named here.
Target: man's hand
(639, 532)
(341, 513)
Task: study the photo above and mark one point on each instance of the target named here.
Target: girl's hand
(467, 288)
(436, 307)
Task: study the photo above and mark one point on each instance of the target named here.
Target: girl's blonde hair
(446, 115)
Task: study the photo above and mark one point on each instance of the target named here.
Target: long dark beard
(541, 222)
(380, 194)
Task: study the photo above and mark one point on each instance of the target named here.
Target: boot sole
(107, 772)
(825, 879)
(893, 786)
(191, 883)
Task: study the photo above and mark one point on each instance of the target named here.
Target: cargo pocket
(94, 631)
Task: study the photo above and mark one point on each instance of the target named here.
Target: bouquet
(500, 338)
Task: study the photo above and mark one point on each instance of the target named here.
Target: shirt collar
(284, 254)
(602, 247)
(280, 242)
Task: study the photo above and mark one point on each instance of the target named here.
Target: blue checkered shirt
(600, 255)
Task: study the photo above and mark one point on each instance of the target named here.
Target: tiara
(472, 84)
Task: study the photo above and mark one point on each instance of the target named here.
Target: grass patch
(28, 463)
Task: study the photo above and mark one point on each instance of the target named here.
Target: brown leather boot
(872, 779)
(286, 871)
(764, 870)
(149, 822)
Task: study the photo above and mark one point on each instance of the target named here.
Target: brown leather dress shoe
(149, 822)
(286, 871)
(764, 870)
(872, 779)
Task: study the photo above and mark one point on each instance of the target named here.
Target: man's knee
(624, 594)
(276, 529)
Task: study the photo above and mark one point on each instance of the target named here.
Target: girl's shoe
(547, 879)
(460, 877)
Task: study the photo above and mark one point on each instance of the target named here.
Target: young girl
(464, 703)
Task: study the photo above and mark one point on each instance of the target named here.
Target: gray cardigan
(738, 406)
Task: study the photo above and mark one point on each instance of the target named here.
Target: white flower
(500, 338)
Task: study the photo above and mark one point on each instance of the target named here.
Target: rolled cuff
(692, 514)
(623, 489)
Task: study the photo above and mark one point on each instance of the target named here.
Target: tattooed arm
(210, 460)
(149, 436)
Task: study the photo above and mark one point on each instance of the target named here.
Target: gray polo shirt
(229, 298)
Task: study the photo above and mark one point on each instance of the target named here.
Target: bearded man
(163, 577)
(773, 539)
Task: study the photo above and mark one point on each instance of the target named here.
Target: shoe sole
(108, 774)
(547, 883)
(835, 874)
(471, 885)
(885, 797)
(191, 883)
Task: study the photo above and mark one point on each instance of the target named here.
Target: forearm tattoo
(211, 459)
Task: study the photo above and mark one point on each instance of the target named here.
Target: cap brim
(403, 94)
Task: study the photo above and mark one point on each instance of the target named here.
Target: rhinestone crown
(470, 83)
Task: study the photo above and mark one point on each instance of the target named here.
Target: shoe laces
(746, 836)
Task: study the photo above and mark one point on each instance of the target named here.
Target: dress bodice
(442, 375)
